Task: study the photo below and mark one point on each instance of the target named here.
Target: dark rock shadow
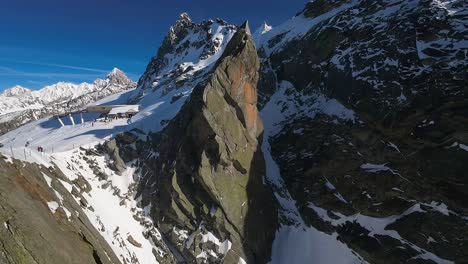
(261, 221)
(101, 133)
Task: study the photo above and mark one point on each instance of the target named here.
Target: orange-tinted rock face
(240, 82)
(211, 155)
(250, 94)
(34, 190)
(250, 109)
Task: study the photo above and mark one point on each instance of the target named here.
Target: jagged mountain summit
(187, 52)
(341, 139)
(19, 105)
(258, 34)
(209, 157)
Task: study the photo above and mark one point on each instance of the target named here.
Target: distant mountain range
(20, 105)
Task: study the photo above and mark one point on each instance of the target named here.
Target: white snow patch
(66, 185)
(282, 106)
(241, 261)
(181, 234)
(47, 179)
(394, 146)
(67, 212)
(440, 207)
(53, 206)
(330, 186)
(459, 145)
(298, 245)
(376, 168)
(463, 146)
(8, 159)
(223, 247)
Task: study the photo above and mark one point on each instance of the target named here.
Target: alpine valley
(338, 136)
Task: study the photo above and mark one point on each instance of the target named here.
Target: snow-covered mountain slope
(159, 99)
(363, 148)
(109, 201)
(16, 90)
(41, 222)
(188, 51)
(19, 105)
(361, 101)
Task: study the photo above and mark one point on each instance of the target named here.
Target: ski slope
(53, 137)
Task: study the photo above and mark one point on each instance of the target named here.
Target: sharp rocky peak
(216, 135)
(263, 28)
(116, 76)
(183, 49)
(178, 30)
(184, 18)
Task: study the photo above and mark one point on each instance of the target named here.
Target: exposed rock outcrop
(112, 150)
(209, 172)
(373, 96)
(118, 77)
(41, 225)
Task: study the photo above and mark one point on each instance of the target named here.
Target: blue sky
(46, 41)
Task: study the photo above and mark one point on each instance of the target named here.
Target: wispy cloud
(6, 71)
(60, 66)
(37, 83)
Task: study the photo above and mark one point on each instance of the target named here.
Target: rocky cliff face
(207, 177)
(19, 105)
(357, 154)
(41, 222)
(371, 98)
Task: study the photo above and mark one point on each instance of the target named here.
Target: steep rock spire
(210, 157)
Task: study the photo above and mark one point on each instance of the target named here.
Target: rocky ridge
(213, 183)
(186, 54)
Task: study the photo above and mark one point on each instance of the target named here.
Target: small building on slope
(114, 110)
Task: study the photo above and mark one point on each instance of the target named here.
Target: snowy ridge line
(296, 28)
(189, 59)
